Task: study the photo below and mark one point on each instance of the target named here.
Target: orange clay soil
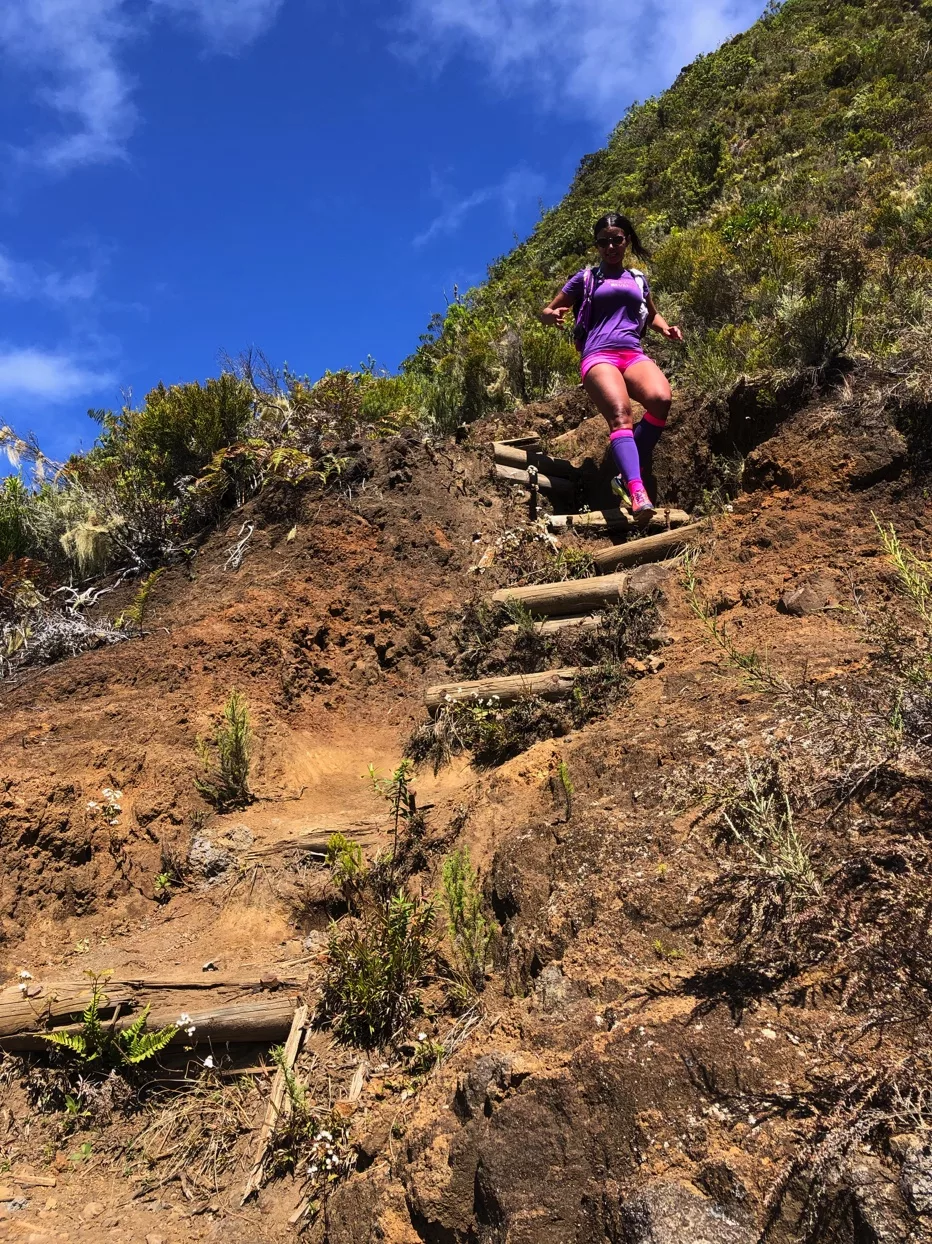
(622, 1076)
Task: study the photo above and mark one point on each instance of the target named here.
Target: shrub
(14, 518)
(225, 758)
(471, 935)
(376, 963)
(780, 876)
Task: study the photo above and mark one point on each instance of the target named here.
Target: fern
(134, 613)
(72, 1041)
(116, 1049)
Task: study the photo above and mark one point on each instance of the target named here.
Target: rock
(207, 861)
(7, 1193)
(93, 1209)
(488, 1080)
(880, 456)
(916, 1177)
(155, 1239)
(652, 576)
(556, 991)
(812, 595)
(671, 1213)
(661, 639)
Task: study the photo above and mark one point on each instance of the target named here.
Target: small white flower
(209, 1062)
(23, 987)
(25, 976)
(191, 1030)
(92, 805)
(312, 1170)
(422, 1036)
(183, 1018)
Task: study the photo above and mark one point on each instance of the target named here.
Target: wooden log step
(602, 522)
(547, 483)
(511, 456)
(528, 440)
(44, 1005)
(261, 1022)
(574, 596)
(583, 622)
(645, 549)
(550, 685)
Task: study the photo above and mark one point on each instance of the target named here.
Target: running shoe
(620, 489)
(642, 508)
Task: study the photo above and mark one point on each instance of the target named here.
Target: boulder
(669, 1212)
(814, 594)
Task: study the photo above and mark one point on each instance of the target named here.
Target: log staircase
(576, 602)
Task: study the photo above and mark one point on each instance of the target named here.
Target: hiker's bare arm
(555, 310)
(656, 321)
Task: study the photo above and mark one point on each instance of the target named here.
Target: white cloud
(28, 282)
(590, 54)
(73, 52)
(50, 375)
(516, 188)
(226, 24)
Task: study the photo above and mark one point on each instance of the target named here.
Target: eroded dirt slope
(673, 1044)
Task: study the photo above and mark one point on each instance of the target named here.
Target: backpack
(581, 329)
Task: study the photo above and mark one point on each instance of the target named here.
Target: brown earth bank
(691, 1031)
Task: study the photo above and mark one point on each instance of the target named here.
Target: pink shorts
(622, 359)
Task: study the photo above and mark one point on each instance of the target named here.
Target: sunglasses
(604, 243)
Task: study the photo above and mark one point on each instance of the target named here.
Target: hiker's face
(611, 244)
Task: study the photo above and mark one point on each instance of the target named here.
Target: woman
(613, 308)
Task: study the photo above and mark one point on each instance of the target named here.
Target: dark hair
(613, 220)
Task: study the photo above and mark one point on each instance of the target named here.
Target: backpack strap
(584, 315)
(644, 313)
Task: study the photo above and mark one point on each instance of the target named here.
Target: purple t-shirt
(615, 315)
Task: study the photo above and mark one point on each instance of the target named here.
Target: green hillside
(784, 184)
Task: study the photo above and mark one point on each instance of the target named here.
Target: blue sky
(183, 177)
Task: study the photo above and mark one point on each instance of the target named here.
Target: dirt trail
(613, 1086)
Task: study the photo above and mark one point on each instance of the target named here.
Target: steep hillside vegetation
(784, 183)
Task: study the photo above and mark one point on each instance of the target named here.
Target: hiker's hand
(672, 332)
(553, 315)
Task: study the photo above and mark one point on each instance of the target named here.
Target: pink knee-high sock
(625, 452)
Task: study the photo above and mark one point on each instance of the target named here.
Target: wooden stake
(276, 1100)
